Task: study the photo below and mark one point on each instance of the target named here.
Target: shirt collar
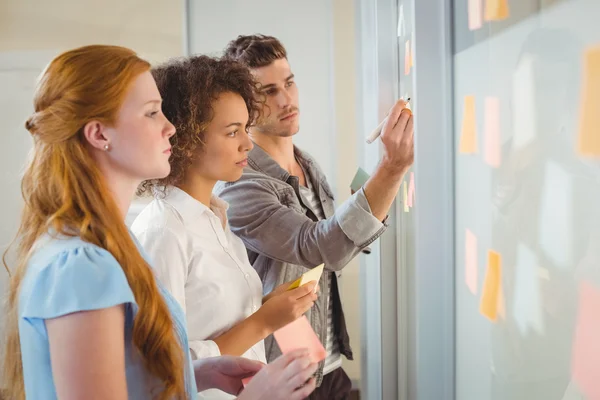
(190, 209)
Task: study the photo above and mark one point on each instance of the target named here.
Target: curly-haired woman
(184, 229)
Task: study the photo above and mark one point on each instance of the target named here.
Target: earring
(106, 147)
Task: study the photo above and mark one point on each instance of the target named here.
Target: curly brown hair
(188, 87)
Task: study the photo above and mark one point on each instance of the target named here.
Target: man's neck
(281, 149)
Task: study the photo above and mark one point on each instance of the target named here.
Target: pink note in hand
(300, 335)
(586, 347)
(246, 381)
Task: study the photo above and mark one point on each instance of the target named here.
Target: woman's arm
(87, 352)
(275, 313)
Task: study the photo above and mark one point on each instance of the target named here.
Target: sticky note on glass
(528, 311)
(471, 261)
(360, 178)
(475, 14)
(586, 346)
(491, 286)
(312, 275)
(492, 131)
(524, 104)
(589, 125)
(407, 57)
(501, 303)
(300, 335)
(556, 235)
(468, 137)
(496, 10)
(411, 190)
(405, 196)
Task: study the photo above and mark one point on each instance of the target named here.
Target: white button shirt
(204, 266)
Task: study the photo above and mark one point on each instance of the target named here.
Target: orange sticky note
(589, 125)
(411, 190)
(492, 131)
(491, 287)
(468, 137)
(475, 14)
(300, 335)
(496, 10)
(405, 196)
(471, 261)
(407, 57)
(586, 346)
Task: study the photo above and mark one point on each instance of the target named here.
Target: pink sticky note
(475, 14)
(411, 190)
(246, 381)
(492, 131)
(407, 58)
(471, 261)
(586, 347)
(300, 335)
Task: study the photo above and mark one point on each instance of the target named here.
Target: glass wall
(527, 140)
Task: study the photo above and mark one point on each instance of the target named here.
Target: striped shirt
(334, 359)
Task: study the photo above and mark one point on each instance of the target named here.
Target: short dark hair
(255, 51)
(188, 87)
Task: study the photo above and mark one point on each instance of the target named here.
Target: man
(283, 210)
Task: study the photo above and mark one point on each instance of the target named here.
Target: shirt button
(247, 276)
(253, 308)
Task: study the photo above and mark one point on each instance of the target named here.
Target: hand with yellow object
(282, 308)
(312, 275)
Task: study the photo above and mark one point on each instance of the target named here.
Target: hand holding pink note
(246, 381)
(300, 335)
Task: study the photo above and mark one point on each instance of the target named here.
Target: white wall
(31, 33)
(305, 29)
(319, 38)
(344, 49)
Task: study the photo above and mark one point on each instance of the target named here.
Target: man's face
(279, 116)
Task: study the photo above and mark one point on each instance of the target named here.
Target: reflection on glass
(535, 203)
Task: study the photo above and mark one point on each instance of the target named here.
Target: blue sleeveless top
(66, 275)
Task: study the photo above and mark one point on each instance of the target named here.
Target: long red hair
(65, 191)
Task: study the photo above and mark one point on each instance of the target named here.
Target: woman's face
(139, 141)
(225, 152)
